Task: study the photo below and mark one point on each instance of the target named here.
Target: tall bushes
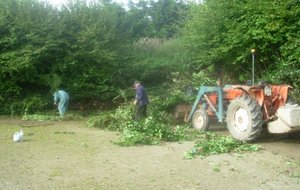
(220, 34)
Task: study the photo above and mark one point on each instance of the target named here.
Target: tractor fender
(254, 92)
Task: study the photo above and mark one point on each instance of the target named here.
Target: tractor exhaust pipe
(253, 58)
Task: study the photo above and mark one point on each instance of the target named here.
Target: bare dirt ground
(68, 155)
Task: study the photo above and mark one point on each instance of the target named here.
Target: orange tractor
(246, 109)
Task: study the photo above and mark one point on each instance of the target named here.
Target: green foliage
(182, 88)
(113, 120)
(64, 132)
(154, 129)
(147, 131)
(85, 48)
(95, 49)
(31, 104)
(160, 124)
(182, 80)
(160, 18)
(51, 117)
(150, 131)
(216, 167)
(220, 34)
(34, 104)
(38, 117)
(155, 58)
(211, 144)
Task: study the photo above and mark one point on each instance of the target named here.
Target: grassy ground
(68, 155)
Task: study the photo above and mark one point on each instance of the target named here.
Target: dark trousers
(140, 112)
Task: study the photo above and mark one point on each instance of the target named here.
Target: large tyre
(244, 118)
(200, 120)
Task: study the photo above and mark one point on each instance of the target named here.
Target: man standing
(63, 98)
(141, 101)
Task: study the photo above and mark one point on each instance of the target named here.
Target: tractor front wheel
(200, 120)
(244, 118)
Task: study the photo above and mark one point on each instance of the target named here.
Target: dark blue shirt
(141, 96)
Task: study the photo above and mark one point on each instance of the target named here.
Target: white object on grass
(18, 136)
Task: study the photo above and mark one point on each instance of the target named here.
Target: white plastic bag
(18, 136)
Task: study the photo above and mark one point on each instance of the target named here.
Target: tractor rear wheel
(244, 118)
(200, 120)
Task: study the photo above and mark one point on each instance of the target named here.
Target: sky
(60, 2)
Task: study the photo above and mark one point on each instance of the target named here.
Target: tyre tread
(256, 115)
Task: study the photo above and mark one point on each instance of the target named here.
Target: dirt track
(68, 155)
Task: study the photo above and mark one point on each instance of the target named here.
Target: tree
(24, 39)
(220, 34)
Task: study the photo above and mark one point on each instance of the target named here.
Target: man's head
(136, 84)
